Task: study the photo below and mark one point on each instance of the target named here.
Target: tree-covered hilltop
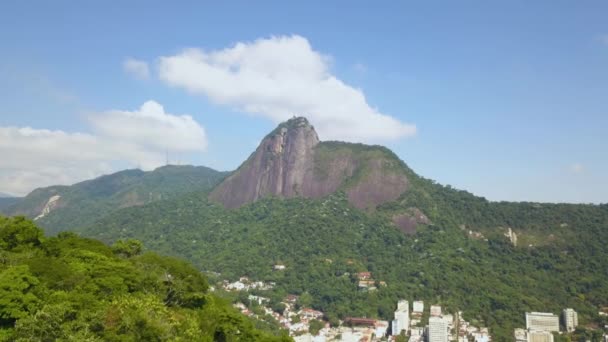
(461, 261)
(68, 288)
(81, 204)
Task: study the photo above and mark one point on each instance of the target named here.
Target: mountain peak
(294, 124)
(292, 162)
(297, 121)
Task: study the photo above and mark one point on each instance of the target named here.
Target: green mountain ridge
(81, 204)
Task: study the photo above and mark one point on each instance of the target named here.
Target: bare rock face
(409, 220)
(278, 167)
(291, 161)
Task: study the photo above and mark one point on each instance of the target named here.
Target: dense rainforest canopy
(559, 262)
(68, 288)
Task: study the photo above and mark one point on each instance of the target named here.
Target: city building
(438, 330)
(418, 306)
(402, 317)
(520, 335)
(542, 321)
(435, 310)
(395, 328)
(403, 305)
(364, 275)
(540, 336)
(570, 319)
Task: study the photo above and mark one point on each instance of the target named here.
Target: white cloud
(136, 68)
(577, 168)
(38, 157)
(150, 126)
(280, 77)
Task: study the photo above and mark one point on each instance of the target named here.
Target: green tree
(17, 299)
(19, 232)
(127, 248)
(315, 326)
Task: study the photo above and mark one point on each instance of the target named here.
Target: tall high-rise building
(395, 328)
(402, 317)
(542, 321)
(418, 306)
(438, 329)
(570, 319)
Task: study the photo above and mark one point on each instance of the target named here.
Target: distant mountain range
(7, 201)
(327, 210)
(5, 195)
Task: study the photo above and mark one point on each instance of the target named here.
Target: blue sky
(508, 100)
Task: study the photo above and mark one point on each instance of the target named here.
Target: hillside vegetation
(68, 288)
(324, 242)
(83, 203)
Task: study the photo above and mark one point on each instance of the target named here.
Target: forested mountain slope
(324, 242)
(59, 208)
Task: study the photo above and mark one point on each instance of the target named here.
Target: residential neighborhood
(413, 322)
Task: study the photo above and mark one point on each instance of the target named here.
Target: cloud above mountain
(277, 78)
(150, 126)
(139, 138)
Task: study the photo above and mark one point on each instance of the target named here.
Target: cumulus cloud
(136, 68)
(280, 77)
(151, 126)
(40, 157)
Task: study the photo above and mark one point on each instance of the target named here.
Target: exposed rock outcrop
(51, 204)
(291, 161)
(409, 220)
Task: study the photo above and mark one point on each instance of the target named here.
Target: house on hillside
(309, 314)
(364, 275)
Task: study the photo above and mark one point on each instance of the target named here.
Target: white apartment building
(542, 321)
(438, 330)
(570, 319)
(435, 310)
(402, 317)
(395, 328)
(418, 306)
(540, 336)
(520, 335)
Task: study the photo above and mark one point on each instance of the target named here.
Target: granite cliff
(291, 162)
